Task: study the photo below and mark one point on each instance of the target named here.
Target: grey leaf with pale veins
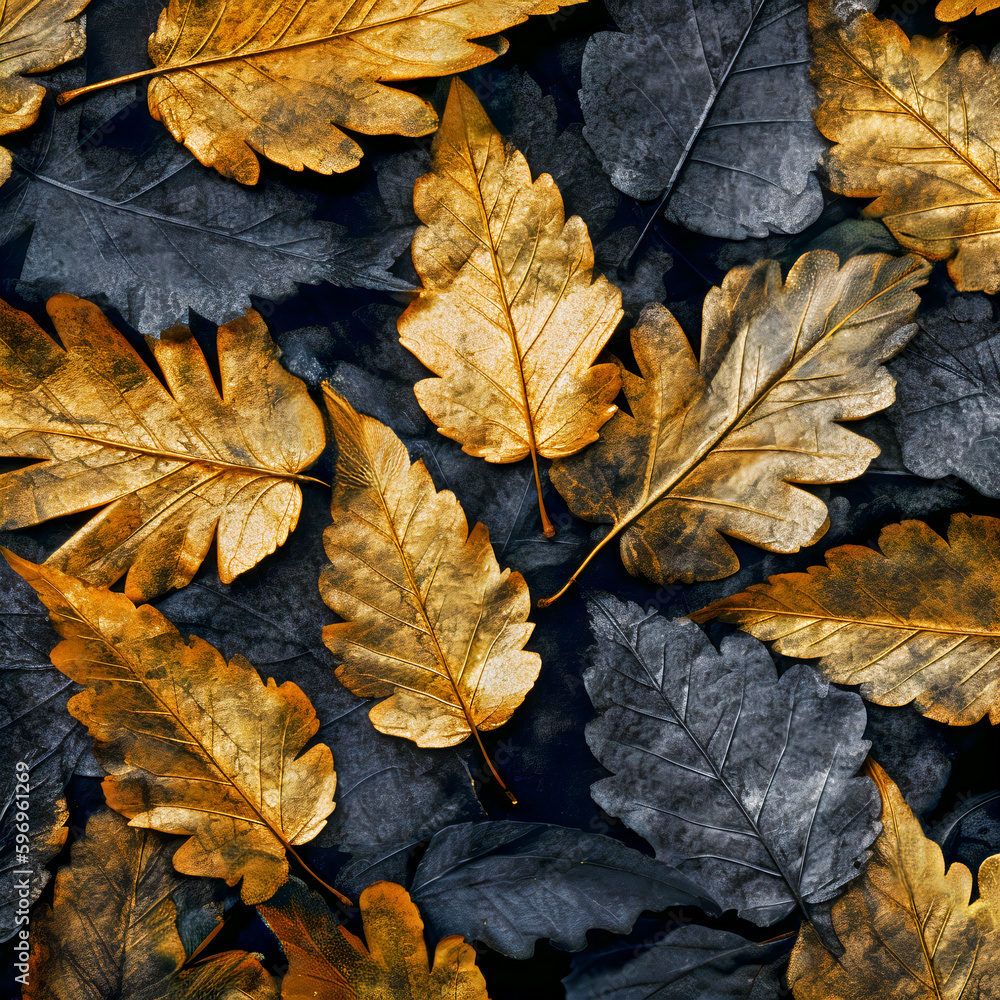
(709, 104)
(509, 884)
(690, 963)
(154, 233)
(947, 409)
(744, 781)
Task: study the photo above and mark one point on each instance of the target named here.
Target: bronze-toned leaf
(192, 744)
(173, 466)
(915, 622)
(952, 10)
(432, 626)
(716, 447)
(510, 315)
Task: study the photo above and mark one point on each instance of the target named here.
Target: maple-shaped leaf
(952, 10)
(235, 78)
(111, 931)
(906, 924)
(688, 963)
(35, 35)
(175, 466)
(716, 447)
(432, 626)
(916, 621)
(947, 408)
(914, 127)
(707, 107)
(510, 315)
(328, 961)
(744, 780)
(192, 744)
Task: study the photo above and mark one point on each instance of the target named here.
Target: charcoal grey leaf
(708, 103)
(970, 833)
(34, 728)
(690, 963)
(508, 884)
(154, 232)
(947, 409)
(744, 781)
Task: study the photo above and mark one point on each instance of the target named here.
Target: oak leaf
(330, 962)
(111, 929)
(35, 35)
(914, 127)
(192, 744)
(176, 465)
(509, 315)
(432, 625)
(906, 924)
(744, 780)
(916, 621)
(952, 10)
(718, 446)
(236, 77)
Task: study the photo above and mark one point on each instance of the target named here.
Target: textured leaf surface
(111, 930)
(716, 447)
(914, 126)
(328, 961)
(509, 884)
(239, 77)
(952, 10)
(708, 105)
(35, 35)
(192, 744)
(906, 924)
(947, 411)
(916, 621)
(177, 465)
(432, 625)
(744, 780)
(689, 963)
(510, 315)
(144, 224)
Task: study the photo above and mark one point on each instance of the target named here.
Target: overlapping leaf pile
(326, 736)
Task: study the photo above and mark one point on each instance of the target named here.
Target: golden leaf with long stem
(510, 315)
(432, 626)
(192, 744)
(174, 466)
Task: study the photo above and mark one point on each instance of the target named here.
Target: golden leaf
(172, 466)
(35, 36)
(111, 930)
(432, 624)
(917, 623)
(237, 76)
(915, 127)
(329, 962)
(906, 924)
(952, 10)
(718, 447)
(192, 744)
(509, 315)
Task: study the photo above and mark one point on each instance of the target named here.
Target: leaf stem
(547, 526)
(190, 960)
(329, 888)
(546, 601)
(510, 795)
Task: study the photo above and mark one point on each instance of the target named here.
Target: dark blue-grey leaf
(509, 884)
(745, 781)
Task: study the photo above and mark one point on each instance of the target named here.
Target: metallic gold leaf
(509, 314)
(35, 35)
(240, 77)
(906, 924)
(917, 622)
(172, 464)
(915, 127)
(432, 625)
(330, 962)
(952, 10)
(718, 447)
(111, 929)
(192, 744)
